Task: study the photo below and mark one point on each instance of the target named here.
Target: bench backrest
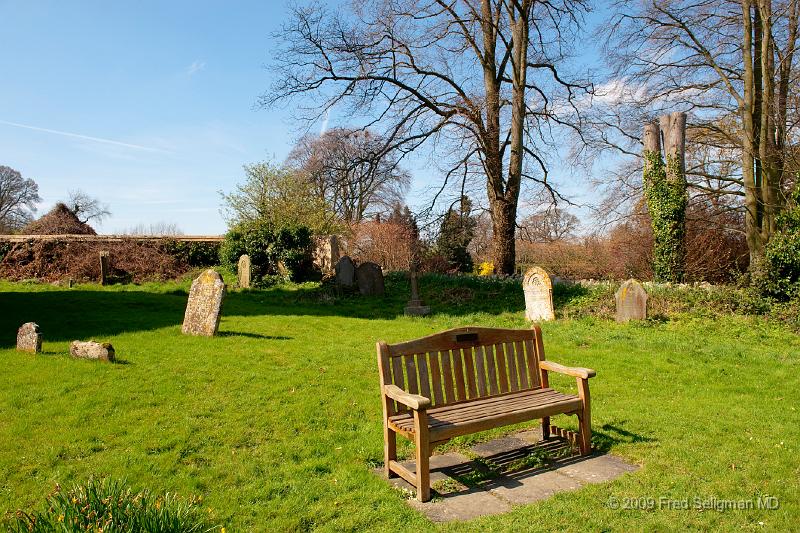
(463, 364)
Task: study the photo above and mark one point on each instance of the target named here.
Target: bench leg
(423, 446)
(545, 428)
(389, 450)
(585, 417)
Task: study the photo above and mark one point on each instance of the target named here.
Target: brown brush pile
(59, 221)
(57, 260)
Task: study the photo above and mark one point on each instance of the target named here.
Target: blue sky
(149, 106)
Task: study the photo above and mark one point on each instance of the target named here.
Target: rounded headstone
(631, 301)
(29, 338)
(370, 279)
(538, 291)
(244, 271)
(345, 272)
(205, 305)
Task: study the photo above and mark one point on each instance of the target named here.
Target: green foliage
(280, 196)
(455, 233)
(111, 507)
(193, 253)
(5, 247)
(282, 253)
(666, 203)
(777, 273)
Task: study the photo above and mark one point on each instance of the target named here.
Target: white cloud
(195, 67)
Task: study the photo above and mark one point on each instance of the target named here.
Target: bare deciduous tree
(85, 207)
(549, 225)
(482, 82)
(730, 64)
(350, 170)
(18, 198)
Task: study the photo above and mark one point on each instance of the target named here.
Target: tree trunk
(504, 219)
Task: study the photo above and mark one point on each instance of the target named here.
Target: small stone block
(92, 350)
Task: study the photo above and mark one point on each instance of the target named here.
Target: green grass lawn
(276, 422)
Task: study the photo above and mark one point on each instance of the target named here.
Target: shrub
(193, 253)
(275, 253)
(108, 505)
(777, 273)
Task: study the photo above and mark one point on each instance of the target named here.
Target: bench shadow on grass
(507, 468)
(70, 314)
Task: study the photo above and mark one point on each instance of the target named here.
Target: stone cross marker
(415, 306)
(345, 272)
(29, 338)
(538, 295)
(205, 304)
(370, 279)
(631, 301)
(245, 271)
(105, 267)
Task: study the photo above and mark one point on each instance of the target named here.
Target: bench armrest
(575, 371)
(414, 401)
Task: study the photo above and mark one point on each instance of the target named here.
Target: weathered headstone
(326, 252)
(538, 291)
(245, 271)
(370, 279)
(631, 301)
(29, 338)
(204, 305)
(92, 350)
(345, 272)
(105, 267)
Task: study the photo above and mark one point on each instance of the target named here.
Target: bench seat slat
(511, 408)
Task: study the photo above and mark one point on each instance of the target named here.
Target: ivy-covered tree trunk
(665, 191)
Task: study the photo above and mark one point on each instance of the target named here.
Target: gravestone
(105, 267)
(29, 338)
(538, 291)
(345, 272)
(92, 350)
(631, 301)
(370, 279)
(204, 305)
(415, 306)
(245, 271)
(326, 252)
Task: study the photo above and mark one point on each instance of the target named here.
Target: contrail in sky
(85, 137)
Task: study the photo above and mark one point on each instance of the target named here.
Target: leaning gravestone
(538, 295)
(245, 271)
(204, 305)
(345, 272)
(92, 350)
(631, 301)
(29, 338)
(370, 279)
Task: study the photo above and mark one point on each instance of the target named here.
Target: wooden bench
(467, 380)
